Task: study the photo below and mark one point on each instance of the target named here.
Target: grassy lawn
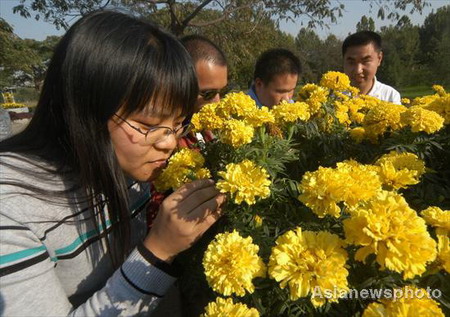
(415, 91)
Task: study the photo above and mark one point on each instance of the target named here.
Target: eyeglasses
(211, 93)
(159, 134)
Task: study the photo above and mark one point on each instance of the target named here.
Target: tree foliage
(184, 14)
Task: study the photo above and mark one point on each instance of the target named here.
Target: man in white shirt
(362, 55)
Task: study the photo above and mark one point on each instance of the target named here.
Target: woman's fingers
(187, 189)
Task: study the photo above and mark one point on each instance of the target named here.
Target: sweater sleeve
(30, 285)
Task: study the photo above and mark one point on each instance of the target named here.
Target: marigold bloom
(207, 118)
(399, 170)
(236, 133)
(390, 229)
(439, 90)
(350, 183)
(420, 119)
(382, 118)
(231, 262)
(314, 96)
(306, 260)
(357, 134)
(437, 217)
(335, 81)
(244, 181)
(441, 105)
(226, 308)
(414, 302)
(259, 116)
(182, 167)
(290, 112)
(443, 250)
(237, 105)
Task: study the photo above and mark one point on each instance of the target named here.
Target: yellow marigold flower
(259, 116)
(399, 170)
(231, 262)
(207, 118)
(412, 302)
(382, 118)
(354, 106)
(441, 105)
(420, 119)
(183, 166)
(236, 104)
(307, 260)
(244, 181)
(258, 221)
(437, 217)
(319, 190)
(390, 229)
(364, 182)
(444, 250)
(342, 113)
(226, 308)
(236, 133)
(314, 96)
(290, 112)
(349, 183)
(357, 134)
(439, 90)
(406, 101)
(335, 81)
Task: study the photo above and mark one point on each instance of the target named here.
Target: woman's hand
(183, 217)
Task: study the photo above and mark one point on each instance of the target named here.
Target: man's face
(281, 87)
(360, 64)
(211, 77)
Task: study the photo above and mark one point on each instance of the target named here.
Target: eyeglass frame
(174, 132)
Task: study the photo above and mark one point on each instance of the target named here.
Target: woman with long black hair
(74, 183)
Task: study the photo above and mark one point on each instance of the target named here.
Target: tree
(401, 46)
(318, 56)
(183, 14)
(434, 43)
(365, 24)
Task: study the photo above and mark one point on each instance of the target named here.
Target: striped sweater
(52, 260)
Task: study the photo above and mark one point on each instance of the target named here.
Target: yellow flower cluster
(440, 219)
(234, 118)
(349, 183)
(387, 227)
(382, 118)
(236, 133)
(231, 262)
(244, 181)
(314, 96)
(207, 119)
(437, 217)
(226, 308)
(306, 260)
(414, 302)
(399, 170)
(439, 103)
(290, 112)
(421, 119)
(335, 81)
(183, 166)
(444, 251)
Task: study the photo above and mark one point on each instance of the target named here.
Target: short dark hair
(275, 62)
(203, 49)
(362, 38)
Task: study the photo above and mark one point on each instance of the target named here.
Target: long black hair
(106, 61)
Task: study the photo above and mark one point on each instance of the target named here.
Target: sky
(354, 10)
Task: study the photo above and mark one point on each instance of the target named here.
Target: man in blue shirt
(275, 77)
